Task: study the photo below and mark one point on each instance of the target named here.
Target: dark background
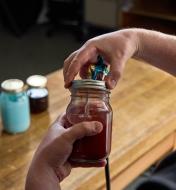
(36, 36)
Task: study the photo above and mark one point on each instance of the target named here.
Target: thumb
(82, 129)
(116, 68)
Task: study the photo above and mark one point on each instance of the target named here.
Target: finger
(59, 123)
(114, 75)
(68, 61)
(87, 165)
(85, 55)
(63, 171)
(74, 66)
(61, 119)
(82, 129)
(84, 71)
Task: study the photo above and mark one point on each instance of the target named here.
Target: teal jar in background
(14, 106)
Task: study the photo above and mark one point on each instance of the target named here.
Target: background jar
(14, 106)
(38, 93)
(90, 102)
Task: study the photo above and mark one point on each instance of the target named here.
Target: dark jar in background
(37, 93)
(90, 102)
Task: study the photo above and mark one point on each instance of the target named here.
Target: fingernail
(98, 127)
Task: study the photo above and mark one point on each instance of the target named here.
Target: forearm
(41, 177)
(157, 48)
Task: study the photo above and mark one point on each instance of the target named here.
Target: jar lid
(89, 83)
(37, 81)
(36, 93)
(12, 85)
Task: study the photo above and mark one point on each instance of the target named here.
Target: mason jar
(90, 102)
(14, 106)
(38, 93)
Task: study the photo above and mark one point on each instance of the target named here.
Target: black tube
(107, 175)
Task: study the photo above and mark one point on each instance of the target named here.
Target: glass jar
(90, 102)
(14, 106)
(38, 93)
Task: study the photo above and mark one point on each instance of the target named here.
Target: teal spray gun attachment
(99, 70)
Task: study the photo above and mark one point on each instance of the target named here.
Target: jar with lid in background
(90, 102)
(14, 106)
(38, 93)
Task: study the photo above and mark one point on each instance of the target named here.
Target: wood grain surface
(144, 107)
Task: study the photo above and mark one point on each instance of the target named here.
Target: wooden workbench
(144, 124)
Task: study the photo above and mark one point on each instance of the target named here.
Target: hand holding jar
(50, 162)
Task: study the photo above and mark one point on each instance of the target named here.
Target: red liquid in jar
(91, 149)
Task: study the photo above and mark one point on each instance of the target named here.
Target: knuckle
(89, 43)
(64, 139)
(65, 144)
(75, 60)
(61, 173)
(121, 53)
(73, 54)
(86, 124)
(75, 64)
